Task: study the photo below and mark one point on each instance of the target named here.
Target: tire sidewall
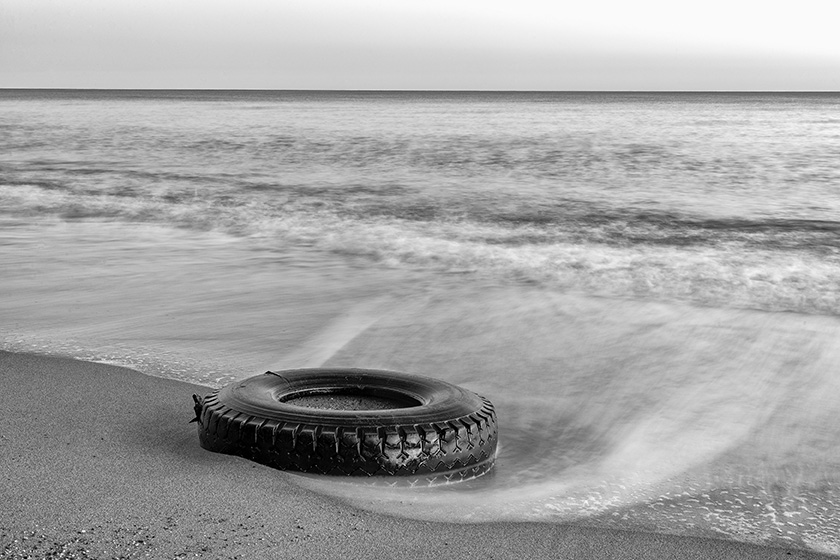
(263, 396)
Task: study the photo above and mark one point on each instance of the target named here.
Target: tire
(434, 433)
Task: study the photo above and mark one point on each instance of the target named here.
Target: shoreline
(100, 461)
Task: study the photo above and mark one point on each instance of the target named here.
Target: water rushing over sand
(646, 287)
(616, 412)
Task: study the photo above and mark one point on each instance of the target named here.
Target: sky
(429, 44)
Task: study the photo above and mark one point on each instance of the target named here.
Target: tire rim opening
(351, 398)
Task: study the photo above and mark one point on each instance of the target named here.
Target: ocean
(646, 284)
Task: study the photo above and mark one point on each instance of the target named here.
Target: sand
(101, 462)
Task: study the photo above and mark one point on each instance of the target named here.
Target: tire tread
(445, 451)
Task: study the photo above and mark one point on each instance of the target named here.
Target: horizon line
(398, 90)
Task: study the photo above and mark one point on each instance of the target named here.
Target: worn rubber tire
(446, 434)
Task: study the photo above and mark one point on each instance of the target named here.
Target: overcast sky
(424, 44)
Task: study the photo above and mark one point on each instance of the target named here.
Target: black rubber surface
(439, 433)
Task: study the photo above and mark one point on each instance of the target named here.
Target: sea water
(647, 285)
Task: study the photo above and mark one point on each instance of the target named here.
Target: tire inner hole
(351, 398)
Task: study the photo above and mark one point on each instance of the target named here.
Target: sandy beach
(101, 462)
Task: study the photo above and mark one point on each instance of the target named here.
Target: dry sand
(101, 462)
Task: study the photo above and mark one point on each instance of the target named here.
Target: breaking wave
(772, 264)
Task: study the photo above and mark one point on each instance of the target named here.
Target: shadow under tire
(435, 432)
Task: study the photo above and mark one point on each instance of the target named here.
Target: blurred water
(718, 199)
(646, 286)
(619, 412)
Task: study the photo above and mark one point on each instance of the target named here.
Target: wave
(509, 220)
(773, 264)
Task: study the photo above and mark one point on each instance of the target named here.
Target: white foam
(730, 274)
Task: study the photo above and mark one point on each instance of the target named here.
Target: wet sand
(101, 462)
